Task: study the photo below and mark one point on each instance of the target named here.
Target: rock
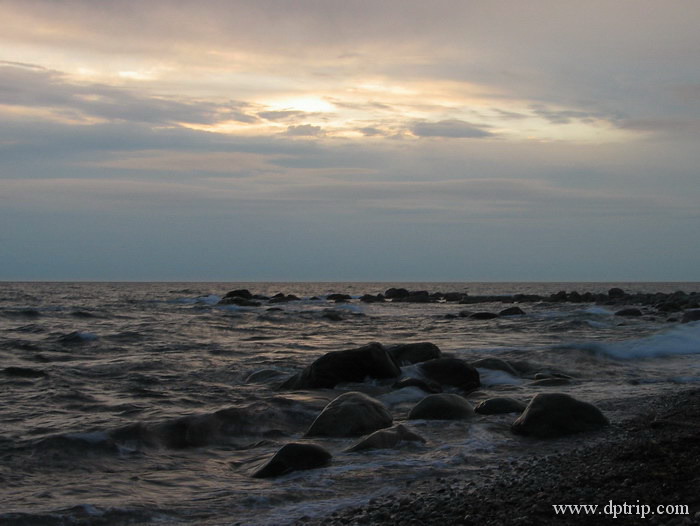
(369, 298)
(550, 415)
(496, 364)
(409, 353)
(241, 302)
(428, 387)
(629, 312)
(451, 371)
(394, 293)
(294, 456)
(691, 315)
(387, 438)
(352, 365)
(351, 414)
(453, 296)
(512, 311)
(616, 293)
(281, 298)
(483, 316)
(499, 405)
(339, 298)
(23, 372)
(240, 293)
(443, 406)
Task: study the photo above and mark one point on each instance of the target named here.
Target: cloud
(451, 128)
(304, 130)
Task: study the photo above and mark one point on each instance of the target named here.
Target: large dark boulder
(616, 293)
(352, 365)
(483, 316)
(351, 414)
(409, 353)
(293, 457)
(396, 293)
(451, 371)
(629, 312)
(442, 406)
(512, 311)
(239, 293)
(499, 405)
(550, 415)
(691, 315)
(387, 438)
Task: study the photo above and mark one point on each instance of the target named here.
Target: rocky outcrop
(352, 365)
(451, 371)
(409, 353)
(550, 415)
(294, 456)
(443, 406)
(499, 405)
(387, 438)
(351, 414)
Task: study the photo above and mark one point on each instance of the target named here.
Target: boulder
(691, 315)
(442, 406)
(616, 293)
(387, 438)
(451, 371)
(294, 456)
(550, 415)
(396, 293)
(339, 298)
(512, 311)
(499, 405)
(369, 298)
(351, 414)
(352, 365)
(239, 293)
(409, 353)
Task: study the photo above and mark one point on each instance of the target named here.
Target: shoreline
(651, 459)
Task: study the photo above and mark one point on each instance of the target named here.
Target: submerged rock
(629, 312)
(451, 371)
(499, 405)
(691, 315)
(351, 414)
(443, 406)
(409, 353)
(550, 415)
(428, 387)
(483, 316)
(512, 311)
(496, 364)
(387, 438)
(294, 456)
(352, 365)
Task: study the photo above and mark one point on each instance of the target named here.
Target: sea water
(94, 375)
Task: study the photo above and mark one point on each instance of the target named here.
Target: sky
(353, 140)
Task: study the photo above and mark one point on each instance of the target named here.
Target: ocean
(98, 380)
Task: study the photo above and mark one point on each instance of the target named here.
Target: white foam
(405, 394)
(680, 340)
(490, 377)
(598, 310)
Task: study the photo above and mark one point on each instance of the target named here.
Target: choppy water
(90, 422)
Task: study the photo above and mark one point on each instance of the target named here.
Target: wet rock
(351, 414)
(483, 316)
(239, 293)
(387, 438)
(428, 387)
(629, 312)
(443, 406)
(453, 296)
(352, 365)
(409, 353)
(691, 315)
(339, 298)
(616, 293)
(512, 311)
(496, 364)
(369, 298)
(499, 405)
(451, 371)
(550, 415)
(294, 456)
(241, 302)
(281, 298)
(396, 293)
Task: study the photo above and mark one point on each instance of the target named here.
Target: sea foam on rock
(387, 438)
(294, 456)
(550, 415)
(351, 414)
(352, 365)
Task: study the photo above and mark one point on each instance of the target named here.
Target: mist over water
(99, 380)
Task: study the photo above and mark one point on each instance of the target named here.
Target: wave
(680, 340)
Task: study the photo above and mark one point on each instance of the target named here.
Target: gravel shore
(651, 459)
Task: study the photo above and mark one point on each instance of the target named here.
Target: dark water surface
(97, 377)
